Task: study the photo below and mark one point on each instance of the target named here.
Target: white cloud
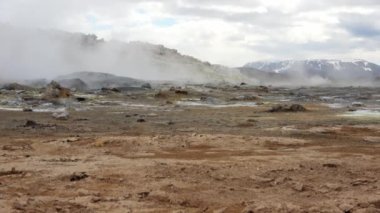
(220, 31)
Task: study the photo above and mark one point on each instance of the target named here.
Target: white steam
(34, 54)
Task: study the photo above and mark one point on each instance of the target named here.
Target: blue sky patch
(94, 22)
(164, 22)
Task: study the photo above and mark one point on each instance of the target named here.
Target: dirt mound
(288, 108)
(54, 91)
(75, 84)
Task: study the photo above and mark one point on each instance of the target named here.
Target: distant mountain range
(315, 72)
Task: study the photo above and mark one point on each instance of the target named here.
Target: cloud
(361, 25)
(220, 31)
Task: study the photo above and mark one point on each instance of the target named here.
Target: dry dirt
(190, 159)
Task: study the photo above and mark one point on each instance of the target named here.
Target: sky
(224, 32)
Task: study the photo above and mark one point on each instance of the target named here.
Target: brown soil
(189, 159)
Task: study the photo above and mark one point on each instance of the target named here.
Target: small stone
(78, 177)
(299, 187)
(96, 199)
(330, 165)
(27, 110)
(146, 86)
(81, 99)
(142, 195)
(18, 206)
(31, 123)
(346, 208)
(61, 115)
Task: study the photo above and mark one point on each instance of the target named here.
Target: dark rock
(27, 110)
(78, 177)
(361, 182)
(161, 94)
(96, 199)
(263, 89)
(288, 108)
(297, 108)
(30, 123)
(204, 98)
(81, 119)
(181, 92)
(33, 124)
(143, 195)
(11, 172)
(141, 120)
(146, 86)
(245, 98)
(81, 99)
(116, 90)
(173, 89)
(330, 165)
(16, 86)
(252, 120)
(357, 104)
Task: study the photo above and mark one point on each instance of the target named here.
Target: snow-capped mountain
(344, 72)
(315, 66)
(30, 53)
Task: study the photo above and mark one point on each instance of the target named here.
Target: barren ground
(190, 159)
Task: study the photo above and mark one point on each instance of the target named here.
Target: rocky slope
(94, 80)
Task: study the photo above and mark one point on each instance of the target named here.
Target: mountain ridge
(335, 72)
(319, 64)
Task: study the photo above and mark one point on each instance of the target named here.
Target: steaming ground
(30, 54)
(198, 148)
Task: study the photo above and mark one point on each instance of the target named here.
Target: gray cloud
(361, 25)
